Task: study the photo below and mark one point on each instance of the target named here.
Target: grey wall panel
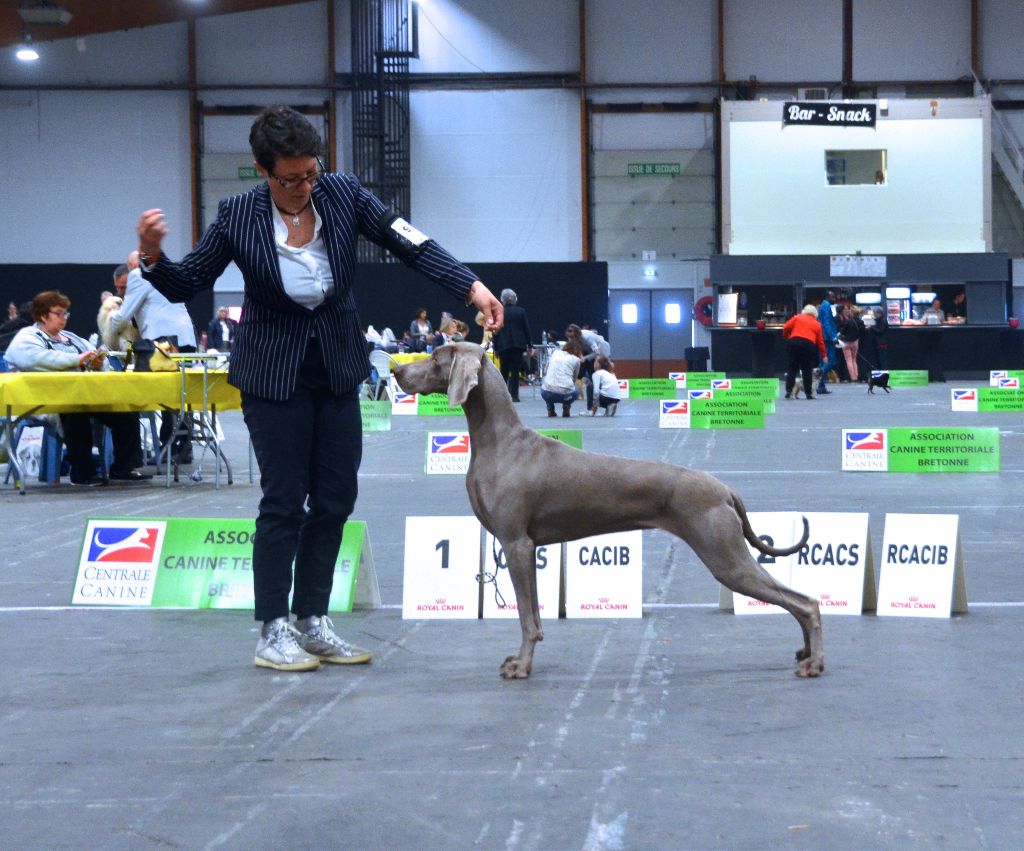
(783, 40)
(651, 41)
(916, 40)
(1002, 28)
(81, 166)
(286, 45)
(466, 36)
(153, 55)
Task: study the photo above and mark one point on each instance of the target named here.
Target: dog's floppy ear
(464, 376)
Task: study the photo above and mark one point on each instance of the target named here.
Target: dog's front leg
(521, 556)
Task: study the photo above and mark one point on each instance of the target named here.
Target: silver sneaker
(316, 636)
(279, 648)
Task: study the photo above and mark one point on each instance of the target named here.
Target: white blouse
(306, 271)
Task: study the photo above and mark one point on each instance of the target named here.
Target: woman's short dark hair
(46, 301)
(280, 131)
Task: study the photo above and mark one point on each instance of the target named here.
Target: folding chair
(382, 364)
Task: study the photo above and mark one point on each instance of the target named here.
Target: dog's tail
(758, 544)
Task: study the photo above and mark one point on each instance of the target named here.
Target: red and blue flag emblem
(674, 407)
(449, 444)
(122, 543)
(865, 440)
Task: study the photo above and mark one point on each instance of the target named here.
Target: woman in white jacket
(47, 347)
(559, 383)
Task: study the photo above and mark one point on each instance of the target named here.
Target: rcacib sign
(823, 114)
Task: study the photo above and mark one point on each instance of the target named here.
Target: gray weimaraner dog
(529, 490)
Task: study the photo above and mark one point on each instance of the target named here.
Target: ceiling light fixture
(46, 14)
(26, 52)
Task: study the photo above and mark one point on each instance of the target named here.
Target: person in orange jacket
(805, 346)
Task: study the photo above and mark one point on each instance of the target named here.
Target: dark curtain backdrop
(553, 295)
(82, 283)
(388, 295)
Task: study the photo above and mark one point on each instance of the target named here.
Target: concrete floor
(683, 729)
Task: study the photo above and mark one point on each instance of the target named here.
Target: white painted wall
(912, 40)
(798, 40)
(651, 41)
(497, 174)
(934, 199)
(466, 36)
(79, 168)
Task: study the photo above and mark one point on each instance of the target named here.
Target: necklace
(295, 216)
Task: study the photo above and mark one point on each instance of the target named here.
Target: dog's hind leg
(521, 557)
(720, 545)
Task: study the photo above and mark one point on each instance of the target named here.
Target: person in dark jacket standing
(512, 341)
(878, 334)
(221, 333)
(298, 359)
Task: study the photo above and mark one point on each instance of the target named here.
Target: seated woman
(45, 347)
(422, 331)
(559, 384)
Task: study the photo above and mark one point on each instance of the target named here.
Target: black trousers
(511, 366)
(124, 434)
(803, 357)
(308, 449)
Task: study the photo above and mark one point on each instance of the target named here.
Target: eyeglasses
(293, 182)
(61, 314)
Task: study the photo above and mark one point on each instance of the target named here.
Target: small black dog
(878, 378)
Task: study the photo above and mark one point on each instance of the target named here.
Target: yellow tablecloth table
(83, 392)
(25, 393)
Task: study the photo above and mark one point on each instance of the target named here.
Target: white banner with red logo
(835, 566)
(604, 576)
(500, 597)
(922, 571)
(442, 560)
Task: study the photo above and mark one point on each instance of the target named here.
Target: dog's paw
(513, 668)
(810, 666)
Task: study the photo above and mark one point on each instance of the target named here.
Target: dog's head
(453, 369)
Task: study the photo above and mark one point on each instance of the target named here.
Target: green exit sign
(248, 172)
(653, 168)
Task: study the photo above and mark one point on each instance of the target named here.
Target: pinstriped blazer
(274, 330)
